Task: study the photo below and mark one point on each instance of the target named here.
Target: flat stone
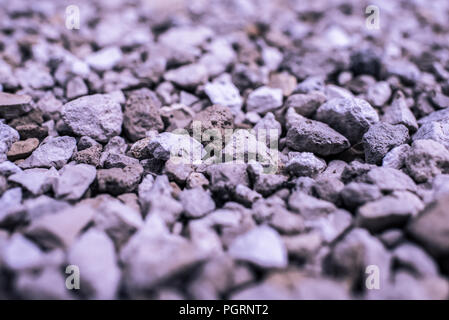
(14, 105)
(37, 180)
(53, 152)
(389, 179)
(389, 211)
(60, 229)
(22, 149)
(73, 181)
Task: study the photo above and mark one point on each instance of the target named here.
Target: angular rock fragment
(223, 92)
(196, 202)
(142, 114)
(434, 130)
(73, 181)
(355, 194)
(142, 268)
(263, 100)
(399, 113)
(97, 116)
(313, 136)
(188, 76)
(430, 228)
(304, 164)
(37, 180)
(60, 229)
(94, 254)
(117, 180)
(7, 137)
(381, 138)
(306, 104)
(389, 179)
(389, 212)
(350, 117)
(261, 246)
(177, 147)
(426, 159)
(104, 59)
(22, 149)
(52, 152)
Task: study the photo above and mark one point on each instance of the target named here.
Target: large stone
(427, 159)
(261, 246)
(14, 105)
(431, 227)
(196, 202)
(60, 229)
(153, 256)
(117, 180)
(389, 212)
(381, 138)
(142, 114)
(350, 117)
(94, 254)
(53, 152)
(314, 136)
(22, 149)
(37, 180)
(263, 100)
(97, 116)
(73, 181)
(223, 92)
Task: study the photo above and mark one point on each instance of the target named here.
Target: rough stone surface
(97, 116)
(261, 246)
(141, 114)
(314, 136)
(350, 117)
(381, 138)
(53, 152)
(263, 100)
(426, 159)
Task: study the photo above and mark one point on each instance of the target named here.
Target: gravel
(224, 150)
